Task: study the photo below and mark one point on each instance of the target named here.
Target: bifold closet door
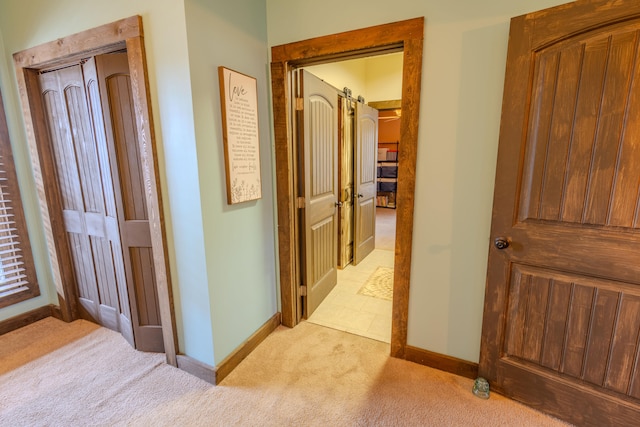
(346, 184)
(83, 174)
(126, 167)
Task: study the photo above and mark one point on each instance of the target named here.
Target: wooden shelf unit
(389, 118)
(387, 175)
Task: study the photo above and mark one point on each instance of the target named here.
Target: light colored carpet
(379, 285)
(57, 374)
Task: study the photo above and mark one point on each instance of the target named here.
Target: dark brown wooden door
(561, 328)
(87, 198)
(126, 168)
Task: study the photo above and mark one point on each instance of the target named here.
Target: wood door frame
(126, 33)
(406, 36)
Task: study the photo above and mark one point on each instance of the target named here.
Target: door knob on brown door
(501, 243)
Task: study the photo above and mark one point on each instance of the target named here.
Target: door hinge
(300, 201)
(299, 104)
(303, 291)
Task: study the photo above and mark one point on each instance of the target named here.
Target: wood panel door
(88, 202)
(319, 132)
(561, 328)
(345, 181)
(365, 154)
(118, 122)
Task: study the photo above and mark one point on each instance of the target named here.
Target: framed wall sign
(239, 101)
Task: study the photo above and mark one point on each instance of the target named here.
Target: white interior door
(319, 131)
(366, 151)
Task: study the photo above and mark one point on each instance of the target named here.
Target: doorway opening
(361, 301)
(407, 37)
(120, 36)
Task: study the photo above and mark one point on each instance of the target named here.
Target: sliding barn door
(319, 128)
(112, 75)
(345, 162)
(88, 201)
(366, 152)
(561, 328)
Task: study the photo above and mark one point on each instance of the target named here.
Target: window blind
(17, 275)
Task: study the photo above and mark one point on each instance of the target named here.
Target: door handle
(360, 195)
(339, 204)
(501, 243)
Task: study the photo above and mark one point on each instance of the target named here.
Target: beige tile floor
(346, 310)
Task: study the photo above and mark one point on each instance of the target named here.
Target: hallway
(346, 309)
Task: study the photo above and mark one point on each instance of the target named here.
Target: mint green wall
(223, 262)
(27, 24)
(222, 257)
(462, 77)
(239, 239)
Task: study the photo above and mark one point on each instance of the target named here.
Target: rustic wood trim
(286, 198)
(442, 362)
(48, 196)
(104, 39)
(196, 368)
(149, 159)
(56, 312)
(405, 197)
(386, 105)
(225, 367)
(406, 36)
(11, 192)
(214, 375)
(363, 42)
(27, 318)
